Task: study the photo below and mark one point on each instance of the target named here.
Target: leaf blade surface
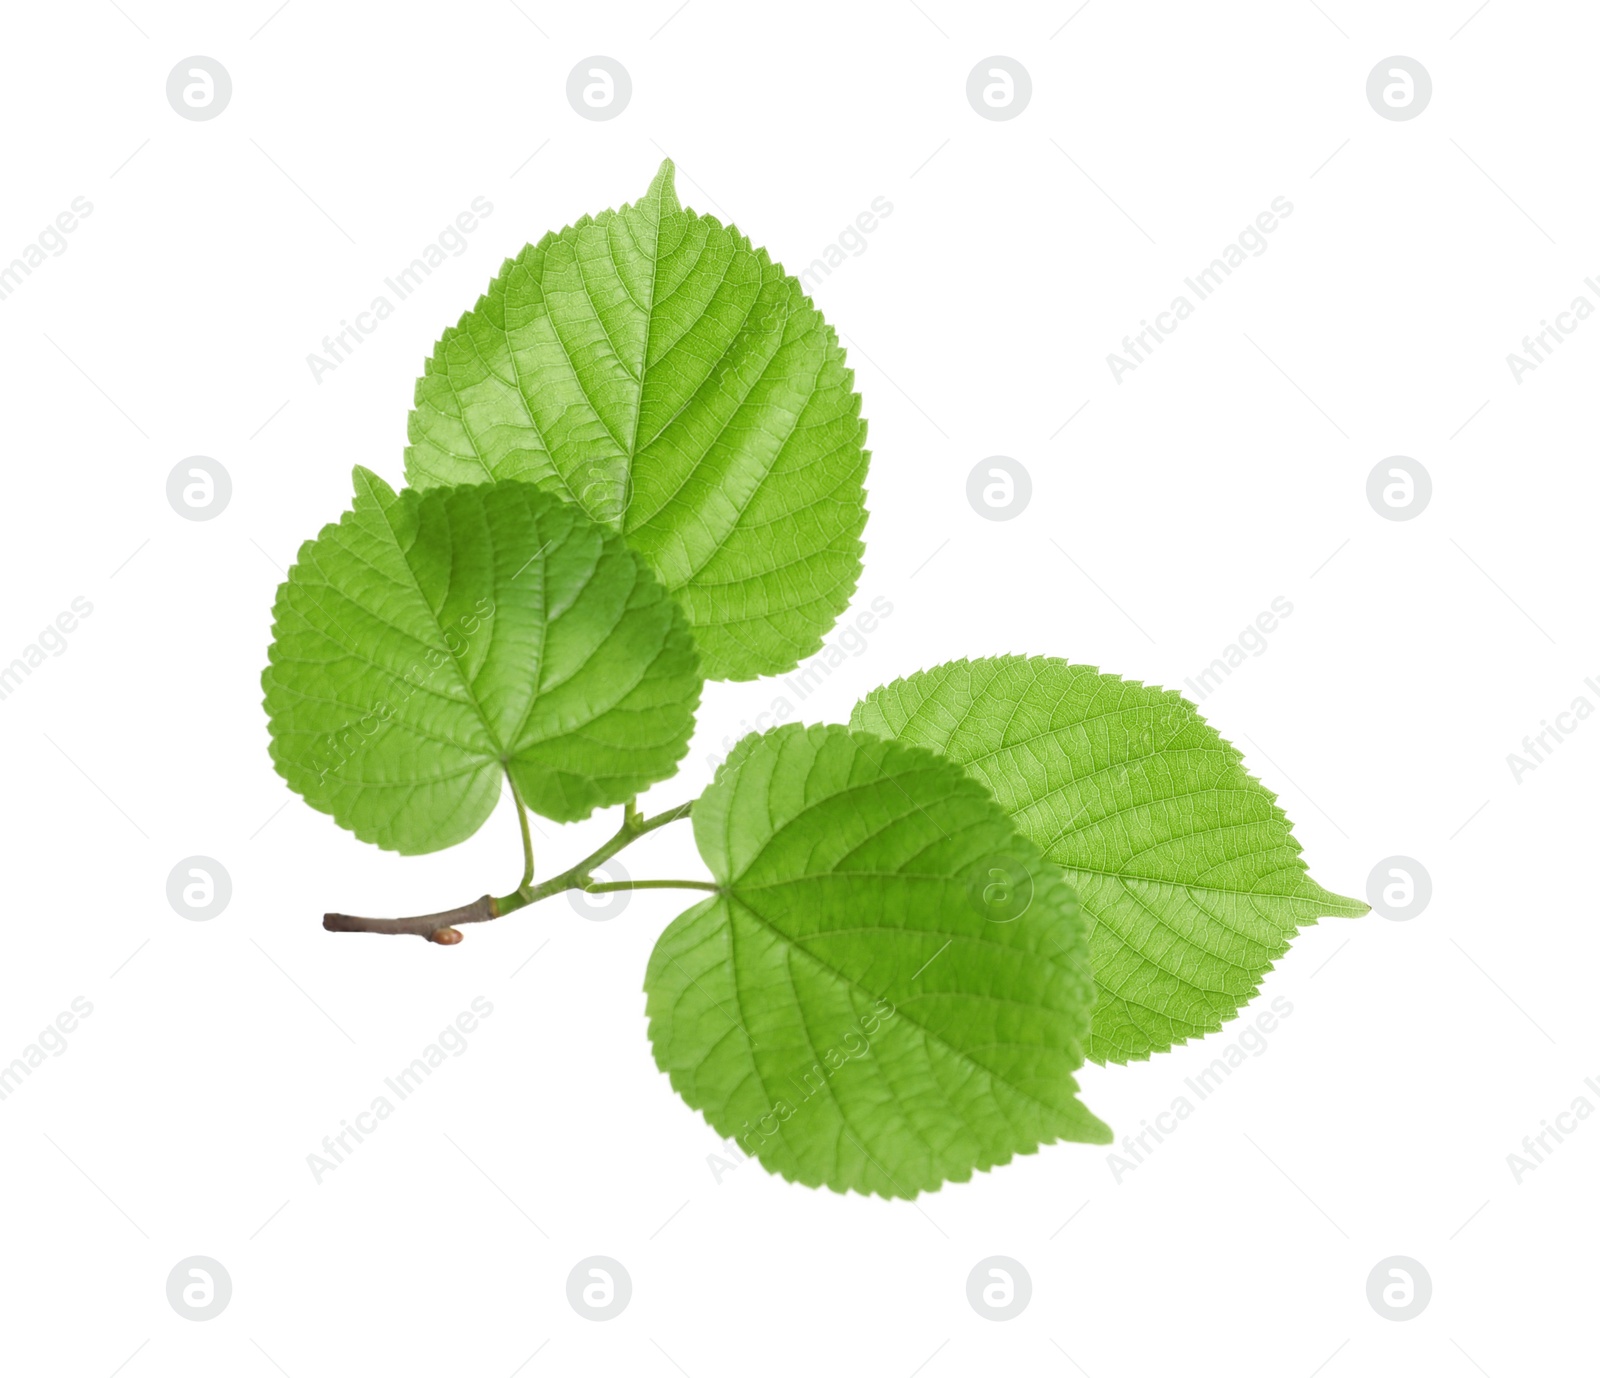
(654, 367)
(845, 1007)
(1183, 861)
(429, 644)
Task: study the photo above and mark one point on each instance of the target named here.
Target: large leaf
(651, 365)
(1183, 861)
(429, 644)
(890, 988)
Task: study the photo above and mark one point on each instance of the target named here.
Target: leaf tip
(368, 484)
(663, 187)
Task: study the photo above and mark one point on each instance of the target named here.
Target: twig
(441, 927)
(436, 928)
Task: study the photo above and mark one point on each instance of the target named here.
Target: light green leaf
(652, 366)
(1183, 861)
(430, 644)
(891, 987)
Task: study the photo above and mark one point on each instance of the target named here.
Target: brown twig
(436, 928)
(440, 928)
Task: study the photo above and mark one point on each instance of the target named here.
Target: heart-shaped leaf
(890, 988)
(430, 644)
(1182, 860)
(652, 366)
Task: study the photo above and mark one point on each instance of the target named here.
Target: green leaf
(431, 643)
(1183, 861)
(890, 989)
(652, 366)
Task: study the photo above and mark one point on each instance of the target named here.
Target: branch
(440, 928)
(436, 928)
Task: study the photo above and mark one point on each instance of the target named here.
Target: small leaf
(652, 366)
(1183, 861)
(890, 989)
(431, 643)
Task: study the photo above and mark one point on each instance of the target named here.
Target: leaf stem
(527, 840)
(440, 927)
(577, 877)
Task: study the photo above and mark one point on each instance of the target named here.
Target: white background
(1228, 470)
